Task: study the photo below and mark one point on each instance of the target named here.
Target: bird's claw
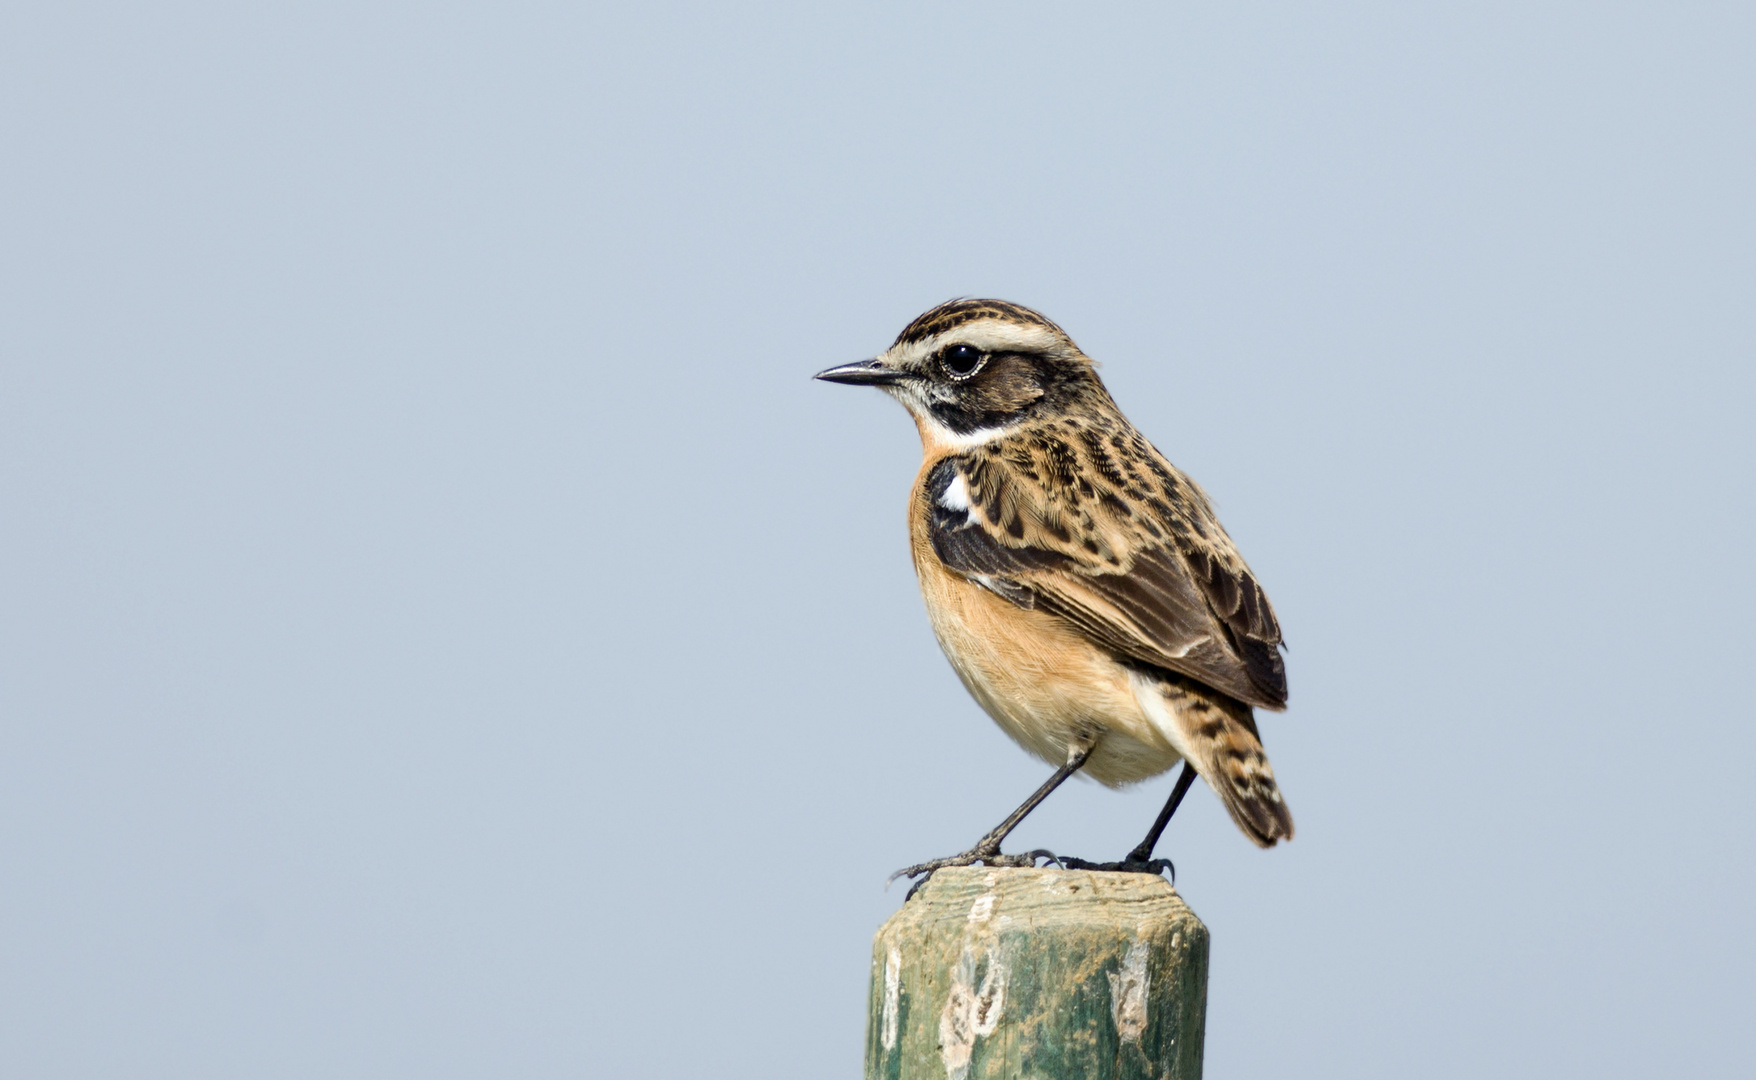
(924, 871)
(1154, 867)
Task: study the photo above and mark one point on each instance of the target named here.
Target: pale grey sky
(445, 633)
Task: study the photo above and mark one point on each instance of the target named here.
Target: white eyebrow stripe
(994, 335)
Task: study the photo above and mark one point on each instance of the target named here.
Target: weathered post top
(1038, 973)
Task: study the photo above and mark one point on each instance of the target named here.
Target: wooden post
(1038, 973)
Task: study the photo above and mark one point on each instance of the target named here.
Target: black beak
(864, 373)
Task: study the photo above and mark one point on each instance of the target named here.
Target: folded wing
(1104, 533)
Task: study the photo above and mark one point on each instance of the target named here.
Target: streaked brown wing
(1154, 579)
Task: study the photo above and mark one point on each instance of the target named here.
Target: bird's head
(970, 369)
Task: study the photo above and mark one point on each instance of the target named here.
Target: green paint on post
(1038, 974)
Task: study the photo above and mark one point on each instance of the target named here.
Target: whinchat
(1079, 583)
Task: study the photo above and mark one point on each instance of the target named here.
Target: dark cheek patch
(1007, 386)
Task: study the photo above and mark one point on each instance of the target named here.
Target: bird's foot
(1129, 865)
(972, 857)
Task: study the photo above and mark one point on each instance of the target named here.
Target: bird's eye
(961, 361)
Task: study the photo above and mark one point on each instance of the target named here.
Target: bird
(1081, 585)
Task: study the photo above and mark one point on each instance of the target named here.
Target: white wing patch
(956, 495)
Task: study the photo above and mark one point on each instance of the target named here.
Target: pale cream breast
(1043, 682)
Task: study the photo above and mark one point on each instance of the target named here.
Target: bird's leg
(1140, 859)
(987, 849)
(1143, 851)
(990, 844)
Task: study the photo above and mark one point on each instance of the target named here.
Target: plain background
(447, 634)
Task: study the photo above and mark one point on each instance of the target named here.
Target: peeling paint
(892, 992)
(990, 997)
(1128, 990)
(971, 1011)
(982, 909)
(1013, 974)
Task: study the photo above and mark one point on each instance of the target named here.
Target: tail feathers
(1219, 737)
(1238, 771)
